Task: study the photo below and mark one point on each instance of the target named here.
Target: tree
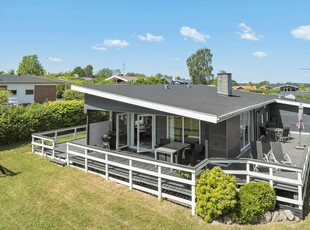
(199, 66)
(79, 71)
(11, 72)
(117, 72)
(135, 74)
(4, 94)
(30, 65)
(104, 73)
(88, 71)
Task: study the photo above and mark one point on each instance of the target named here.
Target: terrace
(174, 181)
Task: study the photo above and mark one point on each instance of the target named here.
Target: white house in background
(118, 78)
(29, 89)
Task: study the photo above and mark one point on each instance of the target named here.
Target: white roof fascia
(118, 77)
(147, 104)
(243, 110)
(295, 103)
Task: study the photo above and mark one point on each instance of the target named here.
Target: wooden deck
(142, 172)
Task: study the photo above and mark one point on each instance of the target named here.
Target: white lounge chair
(278, 156)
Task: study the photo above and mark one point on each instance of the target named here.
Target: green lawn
(42, 195)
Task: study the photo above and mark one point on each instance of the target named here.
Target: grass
(40, 195)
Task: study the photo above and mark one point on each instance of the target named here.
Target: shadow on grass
(6, 172)
(13, 146)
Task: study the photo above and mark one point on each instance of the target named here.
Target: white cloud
(302, 32)
(55, 59)
(99, 47)
(247, 33)
(151, 38)
(118, 43)
(188, 32)
(259, 54)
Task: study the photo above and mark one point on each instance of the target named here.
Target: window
(29, 91)
(14, 92)
(183, 129)
(245, 129)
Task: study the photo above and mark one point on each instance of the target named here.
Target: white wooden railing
(153, 164)
(47, 140)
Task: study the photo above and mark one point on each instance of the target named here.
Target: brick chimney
(224, 84)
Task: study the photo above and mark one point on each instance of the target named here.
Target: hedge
(18, 123)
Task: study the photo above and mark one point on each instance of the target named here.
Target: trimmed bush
(215, 193)
(70, 94)
(254, 199)
(18, 123)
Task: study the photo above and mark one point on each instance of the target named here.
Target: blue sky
(254, 40)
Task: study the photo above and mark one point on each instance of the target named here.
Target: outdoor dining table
(275, 131)
(171, 149)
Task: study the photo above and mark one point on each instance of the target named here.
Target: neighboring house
(282, 86)
(181, 82)
(244, 87)
(121, 78)
(28, 89)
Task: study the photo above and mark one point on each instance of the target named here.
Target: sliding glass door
(145, 132)
(122, 130)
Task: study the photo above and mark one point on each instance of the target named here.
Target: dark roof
(278, 85)
(199, 98)
(15, 79)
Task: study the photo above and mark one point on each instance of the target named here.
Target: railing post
(32, 147)
(247, 172)
(271, 174)
(67, 151)
(86, 160)
(193, 194)
(56, 136)
(159, 183)
(42, 147)
(75, 133)
(300, 198)
(53, 151)
(106, 167)
(130, 174)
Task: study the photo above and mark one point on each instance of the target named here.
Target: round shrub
(70, 94)
(254, 199)
(215, 194)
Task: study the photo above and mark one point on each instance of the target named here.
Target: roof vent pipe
(224, 85)
(166, 86)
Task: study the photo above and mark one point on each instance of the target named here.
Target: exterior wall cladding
(44, 93)
(287, 115)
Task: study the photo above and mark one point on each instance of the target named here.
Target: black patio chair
(284, 135)
(193, 155)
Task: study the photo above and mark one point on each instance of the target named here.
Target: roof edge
(147, 104)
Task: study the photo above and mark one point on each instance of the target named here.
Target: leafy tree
(262, 83)
(2, 72)
(88, 71)
(104, 73)
(30, 65)
(4, 94)
(199, 66)
(11, 72)
(79, 71)
(135, 74)
(70, 94)
(116, 72)
(150, 80)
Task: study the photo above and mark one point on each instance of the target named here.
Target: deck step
(59, 162)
